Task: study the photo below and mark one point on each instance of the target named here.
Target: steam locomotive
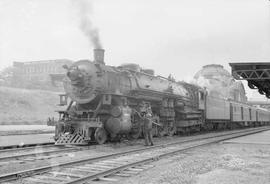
(105, 102)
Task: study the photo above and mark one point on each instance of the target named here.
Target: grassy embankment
(22, 106)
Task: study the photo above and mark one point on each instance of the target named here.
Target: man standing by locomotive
(147, 126)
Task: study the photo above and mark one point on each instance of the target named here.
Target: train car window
(250, 117)
(242, 113)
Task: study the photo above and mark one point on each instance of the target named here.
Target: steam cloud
(214, 86)
(222, 87)
(86, 25)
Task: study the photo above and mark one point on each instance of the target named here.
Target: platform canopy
(257, 75)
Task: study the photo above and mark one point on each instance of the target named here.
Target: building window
(242, 113)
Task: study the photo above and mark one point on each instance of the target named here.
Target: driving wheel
(100, 135)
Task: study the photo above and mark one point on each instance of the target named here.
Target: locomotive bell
(99, 56)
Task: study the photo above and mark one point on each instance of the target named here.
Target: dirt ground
(213, 164)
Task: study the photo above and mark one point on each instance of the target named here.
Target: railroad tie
(40, 181)
(135, 169)
(102, 166)
(145, 166)
(97, 165)
(91, 169)
(105, 163)
(110, 164)
(129, 172)
(52, 178)
(115, 162)
(107, 179)
(109, 161)
(66, 174)
(122, 174)
(81, 170)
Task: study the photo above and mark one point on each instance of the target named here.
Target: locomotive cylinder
(121, 124)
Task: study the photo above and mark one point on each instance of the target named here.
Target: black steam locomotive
(106, 102)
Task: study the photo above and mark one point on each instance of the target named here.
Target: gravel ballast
(212, 164)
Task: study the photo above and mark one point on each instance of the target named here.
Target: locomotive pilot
(146, 114)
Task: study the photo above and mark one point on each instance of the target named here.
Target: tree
(6, 75)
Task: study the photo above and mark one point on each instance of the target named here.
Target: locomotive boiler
(105, 102)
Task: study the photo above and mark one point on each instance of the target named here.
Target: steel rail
(11, 157)
(151, 159)
(28, 132)
(39, 170)
(23, 147)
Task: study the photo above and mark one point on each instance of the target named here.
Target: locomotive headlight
(75, 76)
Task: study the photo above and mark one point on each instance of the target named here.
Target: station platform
(259, 138)
(21, 140)
(25, 127)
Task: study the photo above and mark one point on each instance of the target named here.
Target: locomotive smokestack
(99, 56)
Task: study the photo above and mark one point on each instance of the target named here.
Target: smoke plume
(86, 25)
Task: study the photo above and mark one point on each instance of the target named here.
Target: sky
(175, 37)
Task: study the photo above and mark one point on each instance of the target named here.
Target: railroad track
(26, 132)
(22, 155)
(111, 167)
(25, 146)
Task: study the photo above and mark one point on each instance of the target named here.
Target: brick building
(45, 71)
